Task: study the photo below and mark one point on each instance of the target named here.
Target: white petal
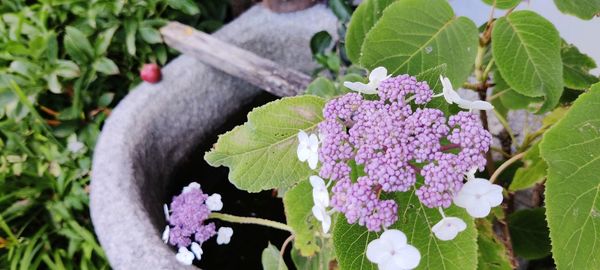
(184, 256)
(478, 210)
(313, 141)
(379, 251)
(481, 105)
(319, 212)
(313, 160)
(214, 203)
(321, 198)
(377, 75)
(166, 211)
(303, 137)
(303, 153)
(394, 237)
(408, 257)
(389, 264)
(463, 199)
(224, 235)
(317, 182)
(448, 228)
(476, 186)
(450, 95)
(197, 250)
(494, 196)
(360, 87)
(190, 187)
(165, 235)
(326, 223)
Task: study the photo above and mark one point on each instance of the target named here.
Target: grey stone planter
(157, 126)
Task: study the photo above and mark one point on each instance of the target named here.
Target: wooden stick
(240, 63)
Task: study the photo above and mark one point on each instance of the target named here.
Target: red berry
(150, 73)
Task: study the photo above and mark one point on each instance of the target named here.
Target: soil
(248, 241)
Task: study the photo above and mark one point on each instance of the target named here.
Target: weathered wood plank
(256, 70)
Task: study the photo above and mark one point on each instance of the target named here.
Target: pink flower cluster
(389, 144)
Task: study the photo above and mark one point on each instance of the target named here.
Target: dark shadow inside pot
(248, 241)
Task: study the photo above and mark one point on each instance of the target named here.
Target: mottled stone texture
(157, 125)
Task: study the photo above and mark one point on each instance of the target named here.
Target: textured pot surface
(157, 125)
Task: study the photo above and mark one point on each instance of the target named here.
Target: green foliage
(586, 9)
(261, 154)
(526, 48)
(363, 19)
(415, 220)
(532, 172)
(529, 233)
(576, 68)
(491, 253)
(413, 36)
(271, 260)
(572, 149)
(319, 261)
(503, 4)
(510, 98)
(63, 65)
(432, 77)
(298, 213)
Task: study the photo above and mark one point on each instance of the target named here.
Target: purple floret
(187, 220)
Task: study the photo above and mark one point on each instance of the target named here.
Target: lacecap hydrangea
(392, 141)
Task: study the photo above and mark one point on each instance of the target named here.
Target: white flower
(320, 193)
(308, 149)
(391, 252)
(448, 228)
(74, 145)
(166, 211)
(190, 187)
(165, 236)
(478, 196)
(224, 235)
(214, 203)
(197, 250)
(321, 215)
(375, 78)
(452, 96)
(184, 256)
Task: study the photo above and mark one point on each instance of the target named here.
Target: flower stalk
(251, 220)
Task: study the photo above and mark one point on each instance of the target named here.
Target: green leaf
(104, 39)
(572, 151)
(320, 42)
(415, 35)
(271, 260)
(130, 30)
(576, 68)
(106, 66)
(53, 83)
(529, 233)
(78, 46)
(323, 87)
(532, 172)
(298, 213)
(526, 48)
(585, 9)
(319, 261)
(503, 4)
(510, 98)
(491, 254)
(261, 154)
(432, 77)
(363, 19)
(66, 69)
(341, 9)
(186, 6)
(415, 220)
(106, 99)
(150, 35)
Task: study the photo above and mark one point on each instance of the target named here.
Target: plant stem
(283, 247)
(505, 165)
(252, 220)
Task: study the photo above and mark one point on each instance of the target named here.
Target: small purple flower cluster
(189, 212)
(395, 144)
